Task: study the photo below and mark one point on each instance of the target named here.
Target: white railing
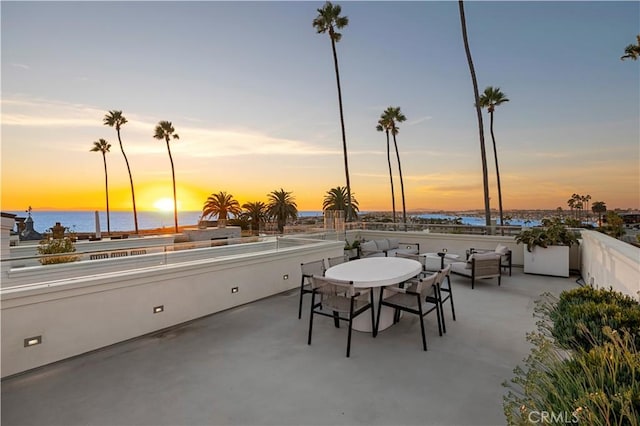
(27, 270)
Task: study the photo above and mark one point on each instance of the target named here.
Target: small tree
(614, 225)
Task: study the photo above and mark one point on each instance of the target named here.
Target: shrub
(580, 315)
(584, 366)
(56, 246)
(598, 387)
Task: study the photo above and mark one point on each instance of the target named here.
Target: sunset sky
(250, 88)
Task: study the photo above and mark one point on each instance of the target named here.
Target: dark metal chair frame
(304, 280)
(445, 275)
(351, 294)
(435, 300)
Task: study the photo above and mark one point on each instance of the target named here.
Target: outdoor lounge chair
(503, 251)
(479, 266)
(385, 247)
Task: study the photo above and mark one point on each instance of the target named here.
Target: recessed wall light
(285, 277)
(158, 309)
(32, 341)
(234, 289)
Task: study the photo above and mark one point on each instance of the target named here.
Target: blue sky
(250, 88)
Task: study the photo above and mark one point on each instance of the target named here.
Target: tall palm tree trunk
(133, 194)
(106, 190)
(393, 196)
(404, 209)
(485, 175)
(495, 155)
(344, 137)
(175, 198)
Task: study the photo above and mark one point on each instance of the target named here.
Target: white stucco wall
(607, 262)
(80, 314)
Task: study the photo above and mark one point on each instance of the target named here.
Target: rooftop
(251, 365)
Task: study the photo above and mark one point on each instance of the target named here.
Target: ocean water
(84, 221)
(479, 221)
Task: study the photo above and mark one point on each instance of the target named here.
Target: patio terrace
(250, 365)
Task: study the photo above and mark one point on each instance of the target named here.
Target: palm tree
(103, 146)
(599, 207)
(281, 207)
(383, 125)
(490, 99)
(165, 130)
(632, 51)
(336, 199)
(571, 202)
(256, 213)
(116, 119)
(392, 115)
(485, 175)
(221, 205)
(585, 200)
(328, 20)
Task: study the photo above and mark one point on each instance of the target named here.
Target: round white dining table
(373, 272)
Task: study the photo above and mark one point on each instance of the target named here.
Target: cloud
(195, 141)
(44, 113)
(419, 120)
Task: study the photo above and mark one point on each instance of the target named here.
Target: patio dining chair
(417, 257)
(418, 297)
(444, 286)
(340, 301)
(333, 261)
(309, 269)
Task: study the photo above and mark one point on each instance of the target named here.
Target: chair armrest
(402, 290)
(407, 245)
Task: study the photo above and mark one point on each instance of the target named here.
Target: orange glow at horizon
(447, 194)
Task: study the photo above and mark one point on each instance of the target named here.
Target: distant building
(630, 218)
(28, 233)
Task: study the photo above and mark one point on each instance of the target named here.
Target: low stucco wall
(80, 314)
(607, 262)
(460, 243)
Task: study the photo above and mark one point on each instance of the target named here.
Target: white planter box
(553, 260)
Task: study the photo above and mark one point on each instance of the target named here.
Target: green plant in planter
(353, 246)
(552, 233)
(57, 245)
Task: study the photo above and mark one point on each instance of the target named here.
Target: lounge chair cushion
(502, 249)
(394, 243)
(382, 244)
(368, 247)
(479, 256)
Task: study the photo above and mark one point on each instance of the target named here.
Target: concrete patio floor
(251, 365)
